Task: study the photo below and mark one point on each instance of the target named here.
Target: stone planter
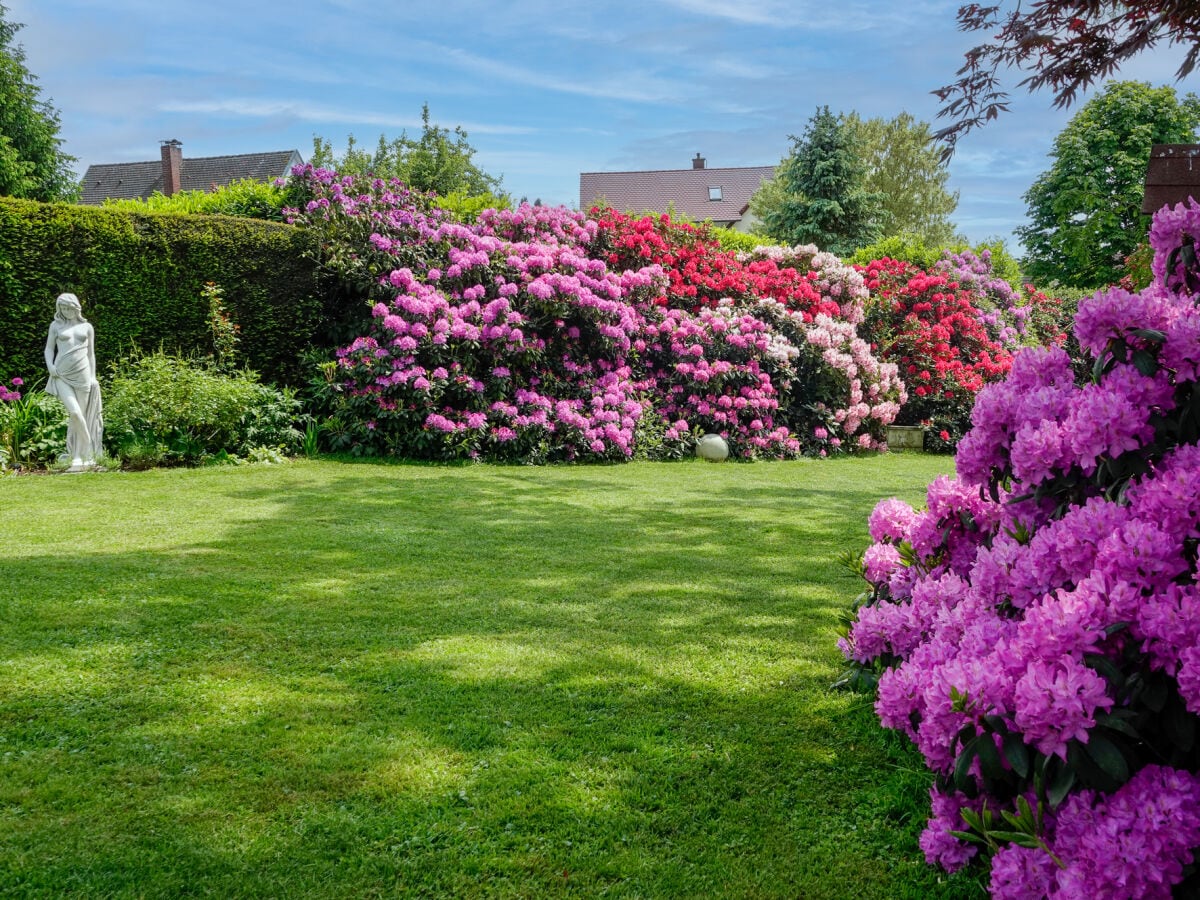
(905, 437)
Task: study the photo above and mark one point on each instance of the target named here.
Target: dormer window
(714, 193)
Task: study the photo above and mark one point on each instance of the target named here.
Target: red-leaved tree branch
(1064, 45)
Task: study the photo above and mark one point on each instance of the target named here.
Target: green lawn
(331, 679)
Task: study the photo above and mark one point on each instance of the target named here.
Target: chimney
(698, 162)
(172, 166)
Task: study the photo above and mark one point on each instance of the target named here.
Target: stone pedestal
(905, 437)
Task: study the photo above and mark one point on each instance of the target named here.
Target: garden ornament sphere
(712, 447)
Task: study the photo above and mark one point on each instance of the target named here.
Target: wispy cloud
(728, 67)
(746, 12)
(855, 15)
(314, 113)
(630, 85)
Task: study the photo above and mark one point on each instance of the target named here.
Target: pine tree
(821, 198)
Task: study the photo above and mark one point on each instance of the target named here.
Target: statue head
(67, 308)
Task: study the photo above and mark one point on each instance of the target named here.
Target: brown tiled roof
(1172, 176)
(197, 173)
(686, 189)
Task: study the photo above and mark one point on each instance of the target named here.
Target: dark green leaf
(1104, 666)
(1023, 823)
(968, 836)
(1173, 259)
(1118, 724)
(1150, 334)
(1016, 837)
(1027, 819)
(972, 819)
(1105, 754)
(989, 757)
(1145, 362)
(1154, 694)
(1017, 754)
(1180, 725)
(962, 767)
(1187, 255)
(1060, 785)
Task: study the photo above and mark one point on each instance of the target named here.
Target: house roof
(197, 173)
(1172, 176)
(686, 189)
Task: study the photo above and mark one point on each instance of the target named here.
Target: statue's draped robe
(73, 378)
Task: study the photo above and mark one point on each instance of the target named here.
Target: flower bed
(539, 334)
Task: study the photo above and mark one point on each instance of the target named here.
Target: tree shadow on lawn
(629, 700)
(389, 773)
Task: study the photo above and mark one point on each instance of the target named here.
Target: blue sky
(546, 89)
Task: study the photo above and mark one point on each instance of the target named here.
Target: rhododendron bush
(1036, 630)
(951, 331)
(540, 334)
(807, 305)
(930, 328)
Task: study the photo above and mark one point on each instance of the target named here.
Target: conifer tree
(820, 189)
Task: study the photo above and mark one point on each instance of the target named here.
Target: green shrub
(33, 430)
(1138, 275)
(247, 198)
(164, 409)
(465, 207)
(728, 239)
(912, 249)
(141, 279)
(909, 248)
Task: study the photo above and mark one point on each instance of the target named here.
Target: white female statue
(71, 361)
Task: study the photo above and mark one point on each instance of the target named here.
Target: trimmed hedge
(139, 277)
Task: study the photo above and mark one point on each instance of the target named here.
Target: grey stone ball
(712, 447)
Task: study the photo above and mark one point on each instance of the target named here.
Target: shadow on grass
(492, 686)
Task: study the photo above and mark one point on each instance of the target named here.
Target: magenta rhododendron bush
(525, 335)
(1036, 629)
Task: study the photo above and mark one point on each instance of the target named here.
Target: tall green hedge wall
(139, 276)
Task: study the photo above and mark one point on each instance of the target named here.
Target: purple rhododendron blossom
(1134, 843)
(941, 847)
(890, 520)
(880, 561)
(1057, 702)
(1066, 551)
(1021, 873)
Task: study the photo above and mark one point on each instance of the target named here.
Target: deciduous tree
(906, 169)
(1085, 210)
(439, 160)
(32, 163)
